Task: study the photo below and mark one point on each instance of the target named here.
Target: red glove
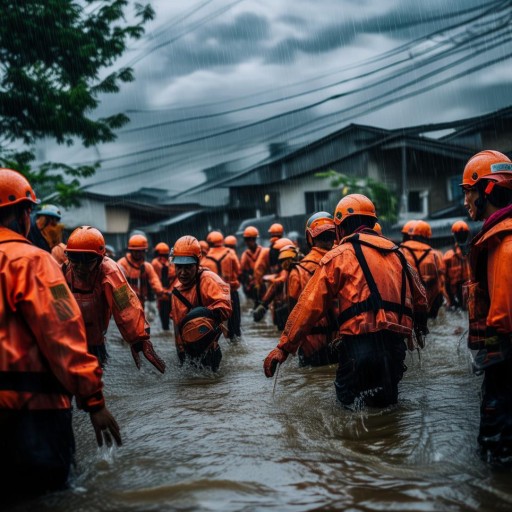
(149, 353)
(274, 357)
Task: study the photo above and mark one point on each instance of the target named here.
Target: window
(322, 201)
(454, 190)
(418, 202)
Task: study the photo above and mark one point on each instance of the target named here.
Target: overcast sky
(211, 66)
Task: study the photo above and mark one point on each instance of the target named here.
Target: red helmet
(318, 223)
(162, 249)
(137, 243)
(422, 228)
(408, 228)
(276, 230)
(488, 164)
(459, 226)
(353, 204)
(215, 238)
(198, 330)
(15, 188)
(251, 232)
(186, 251)
(230, 241)
(86, 239)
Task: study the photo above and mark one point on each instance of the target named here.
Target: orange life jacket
(141, 276)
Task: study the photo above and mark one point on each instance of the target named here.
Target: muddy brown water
(196, 441)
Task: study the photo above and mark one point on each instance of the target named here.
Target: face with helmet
(353, 212)
(321, 230)
(186, 255)
(288, 256)
(461, 233)
(162, 252)
(251, 235)
(487, 183)
(16, 201)
(85, 251)
(138, 246)
(276, 231)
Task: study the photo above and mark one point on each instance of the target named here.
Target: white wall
(292, 199)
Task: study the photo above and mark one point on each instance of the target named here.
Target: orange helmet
(318, 223)
(459, 226)
(86, 239)
(186, 250)
(15, 188)
(198, 330)
(288, 251)
(204, 246)
(215, 238)
(353, 204)
(276, 230)
(484, 165)
(281, 242)
(230, 241)
(422, 228)
(162, 249)
(251, 232)
(137, 243)
(408, 228)
(378, 228)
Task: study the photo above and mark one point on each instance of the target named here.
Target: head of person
(48, 221)
(422, 232)
(408, 230)
(487, 183)
(276, 247)
(276, 231)
(205, 247)
(186, 254)
(461, 233)
(85, 250)
(138, 247)
(231, 242)
(353, 212)
(288, 255)
(16, 201)
(321, 230)
(162, 251)
(251, 235)
(215, 239)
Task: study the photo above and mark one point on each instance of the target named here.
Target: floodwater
(197, 441)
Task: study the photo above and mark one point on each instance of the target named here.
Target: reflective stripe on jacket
(43, 350)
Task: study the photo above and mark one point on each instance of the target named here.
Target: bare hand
(105, 425)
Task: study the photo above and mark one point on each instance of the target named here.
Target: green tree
(53, 58)
(386, 202)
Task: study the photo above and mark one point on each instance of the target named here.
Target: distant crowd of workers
(356, 299)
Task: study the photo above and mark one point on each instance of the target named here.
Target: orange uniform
(247, 264)
(141, 276)
(166, 272)
(429, 265)
(262, 265)
(107, 292)
(369, 300)
(457, 274)
(224, 262)
(46, 361)
(209, 291)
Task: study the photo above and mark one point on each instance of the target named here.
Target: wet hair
(356, 221)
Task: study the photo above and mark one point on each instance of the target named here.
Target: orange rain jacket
(209, 291)
(107, 292)
(166, 272)
(489, 298)
(321, 333)
(247, 264)
(224, 262)
(429, 265)
(140, 276)
(457, 270)
(43, 350)
(374, 288)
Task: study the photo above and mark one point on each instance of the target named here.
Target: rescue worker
(264, 264)
(201, 301)
(427, 262)
(231, 242)
(315, 349)
(487, 184)
(456, 262)
(43, 357)
(408, 230)
(140, 274)
(166, 273)
(101, 290)
(45, 228)
(248, 261)
(381, 302)
(224, 262)
(276, 295)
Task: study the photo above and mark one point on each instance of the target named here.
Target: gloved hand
(149, 353)
(274, 357)
(259, 313)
